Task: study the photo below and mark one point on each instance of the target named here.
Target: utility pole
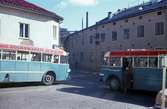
(164, 65)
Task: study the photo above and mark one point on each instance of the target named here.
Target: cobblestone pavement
(83, 91)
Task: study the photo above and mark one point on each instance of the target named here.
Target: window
(126, 20)
(126, 33)
(115, 61)
(140, 31)
(8, 55)
(114, 23)
(159, 28)
(46, 58)
(81, 56)
(140, 17)
(35, 56)
(103, 36)
(91, 39)
(97, 36)
(140, 61)
(24, 30)
(54, 46)
(153, 61)
(114, 35)
(159, 13)
(56, 59)
(24, 56)
(54, 32)
(64, 59)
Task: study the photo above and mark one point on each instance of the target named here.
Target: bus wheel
(114, 84)
(48, 79)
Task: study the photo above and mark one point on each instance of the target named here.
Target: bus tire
(48, 78)
(114, 84)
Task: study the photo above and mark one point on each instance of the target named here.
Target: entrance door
(127, 73)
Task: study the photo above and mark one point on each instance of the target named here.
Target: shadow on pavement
(89, 85)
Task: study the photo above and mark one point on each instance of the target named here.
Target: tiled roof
(136, 11)
(22, 4)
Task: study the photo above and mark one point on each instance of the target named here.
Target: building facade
(139, 27)
(23, 23)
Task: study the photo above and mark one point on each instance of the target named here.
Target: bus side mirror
(164, 61)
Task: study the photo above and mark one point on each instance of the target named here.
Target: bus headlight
(101, 74)
(69, 70)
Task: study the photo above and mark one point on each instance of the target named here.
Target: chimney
(82, 24)
(109, 14)
(87, 20)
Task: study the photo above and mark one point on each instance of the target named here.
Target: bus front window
(115, 62)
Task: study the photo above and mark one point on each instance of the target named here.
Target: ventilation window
(140, 17)
(159, 13)
(126, 20)
(114, 23)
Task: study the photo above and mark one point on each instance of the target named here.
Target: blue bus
(30, 64)
(133, 69)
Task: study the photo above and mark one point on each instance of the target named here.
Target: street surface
(83, 91)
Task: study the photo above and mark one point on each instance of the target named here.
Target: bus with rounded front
(133, 69)
(30, 64)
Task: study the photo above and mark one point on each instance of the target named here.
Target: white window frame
(54, 32)
(24, 33)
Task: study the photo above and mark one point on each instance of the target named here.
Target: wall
(41, 28)
(93, 53)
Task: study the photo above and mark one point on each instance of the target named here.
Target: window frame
(23, 34)
(159, 28)
(140, 31)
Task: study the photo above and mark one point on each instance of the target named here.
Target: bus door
(127, 73)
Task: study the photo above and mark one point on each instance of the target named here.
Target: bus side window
(46, 57)
(22, 55)
(115, 62)
(140, 62)
(56, 59)
(9, 55)
(35, 56)
(63, 59)
(153, 61)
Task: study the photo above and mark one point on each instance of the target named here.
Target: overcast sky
(74, 10)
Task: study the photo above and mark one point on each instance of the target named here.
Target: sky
(74, 10)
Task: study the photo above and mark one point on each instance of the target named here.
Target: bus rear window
(8, 55)
(115, 61)
(64, 59)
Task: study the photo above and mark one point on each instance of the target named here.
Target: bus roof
(139, 52)
(57, 51)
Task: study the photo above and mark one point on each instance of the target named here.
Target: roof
(57, 51)
(131, 12)
(29, 7)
